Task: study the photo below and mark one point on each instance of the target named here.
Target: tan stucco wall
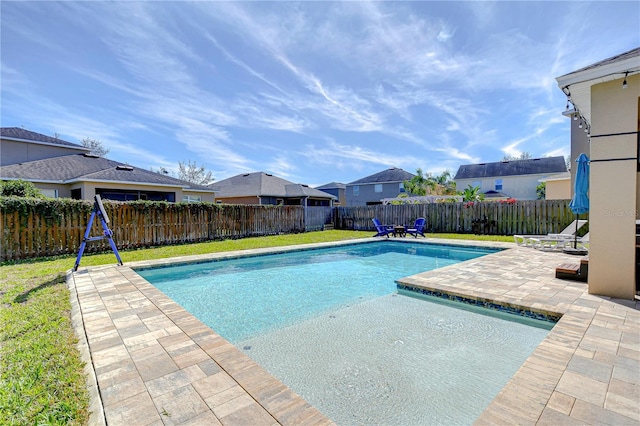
(558, 189)
(63, 190)
(613, 191)
(522, 187)
(13, 152)
(205, 196)
(89, 189)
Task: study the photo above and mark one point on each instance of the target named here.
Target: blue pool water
(331, 325)
(245, 297)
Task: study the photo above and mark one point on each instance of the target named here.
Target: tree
(162, 170)
(541, 191)
(522, 156)
(420, 184)
(20, 188)
(471, 193)
(445, 180)
(96, 147)
(191, 172)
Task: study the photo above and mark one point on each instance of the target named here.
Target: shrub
(20, 188)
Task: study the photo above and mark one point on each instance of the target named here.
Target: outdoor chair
(559, 242)
(567, 233)
(581, 243)
(417, 228)
(383, 230)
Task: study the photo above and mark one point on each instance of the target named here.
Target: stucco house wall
(613, 187)
(88, 189)
(365, 194)
(558, 189)
(336, 189)
(12, 152)
(519, 187)
(54, 190)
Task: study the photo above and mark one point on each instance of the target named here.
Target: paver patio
(153, 363)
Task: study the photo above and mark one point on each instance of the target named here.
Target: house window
(498, 185)
(378, 187)
(50, 193)
(356, 191)
(401, 187)
(132, 195)
(191, 198)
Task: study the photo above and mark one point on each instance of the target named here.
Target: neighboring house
(66, 170)
(372, 189)
(266, 189)
(558, 187)
(18, 145)
(515, 179)
(605, 96)
(338, 190)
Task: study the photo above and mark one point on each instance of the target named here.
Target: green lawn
(41, 379)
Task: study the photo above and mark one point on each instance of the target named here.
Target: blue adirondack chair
(382, 230)
(417, 228)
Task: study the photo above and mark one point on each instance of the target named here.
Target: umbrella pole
(575, 236)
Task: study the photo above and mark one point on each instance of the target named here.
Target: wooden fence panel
(491, 218)
(32, 232)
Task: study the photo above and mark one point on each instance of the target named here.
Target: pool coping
(150, 359)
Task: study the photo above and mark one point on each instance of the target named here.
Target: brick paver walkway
(155, 364)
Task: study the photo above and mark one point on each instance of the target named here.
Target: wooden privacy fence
(35, 228)
(51, 227)
(492, 218)
(318, 218)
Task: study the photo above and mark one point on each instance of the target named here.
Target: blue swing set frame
(98, 210)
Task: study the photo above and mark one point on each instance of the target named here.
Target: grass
(41, 378)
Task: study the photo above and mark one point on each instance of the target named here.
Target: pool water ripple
(377, 363)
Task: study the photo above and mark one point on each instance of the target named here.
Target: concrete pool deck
(152, 363)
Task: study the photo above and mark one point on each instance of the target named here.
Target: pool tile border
(586, 371)
(521, 311)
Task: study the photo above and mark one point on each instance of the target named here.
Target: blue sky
(312, 92)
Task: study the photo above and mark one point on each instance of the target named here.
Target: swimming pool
(361, 352)
(243, 297)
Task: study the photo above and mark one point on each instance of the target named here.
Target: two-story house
(514, 179)
(63, 169)
(338, 190)
(372, 189)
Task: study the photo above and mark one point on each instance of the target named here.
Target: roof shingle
(393, 174)
(21, 134)
(512, 168)
(265, 185)
(89, 167)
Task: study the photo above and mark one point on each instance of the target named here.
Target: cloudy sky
(313, 92)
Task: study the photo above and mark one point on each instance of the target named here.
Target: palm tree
(420, 184)
(471, 193)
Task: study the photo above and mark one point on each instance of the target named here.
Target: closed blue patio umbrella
(580, 202)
